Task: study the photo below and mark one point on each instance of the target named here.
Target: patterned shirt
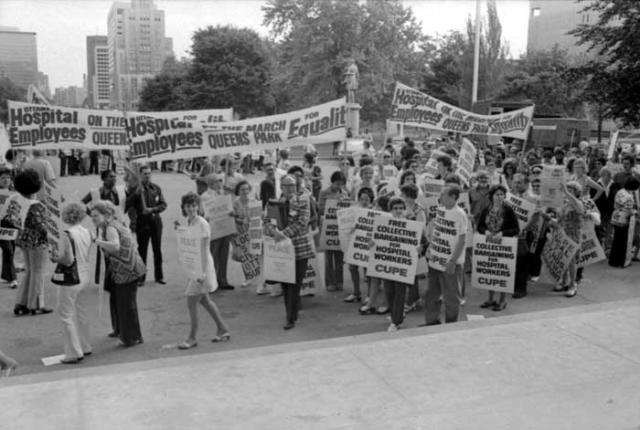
(298, 213)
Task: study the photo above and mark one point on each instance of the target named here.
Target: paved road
(254, 320)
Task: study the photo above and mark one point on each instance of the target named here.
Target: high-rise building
(18, 56)
(137, 49)
(98, 78)
(550, 21)
(69, 96)
(42, 84)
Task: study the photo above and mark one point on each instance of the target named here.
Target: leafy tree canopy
(9, 91)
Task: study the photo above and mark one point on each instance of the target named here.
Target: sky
(62, 25)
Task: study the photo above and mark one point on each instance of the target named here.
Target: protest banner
(217, 210)
(551, 186)
(5, 195)
(190, 252)
(4, 143)
(200, 116)
(346, 222)
(312, 278)
(431, 168)
(17, 209)
(358, 249)
(443, 240)
(416, 109)
(591, 251)
(631, 248)
(35, 126)
(431, 189)
(558, 252)
(493, 263)
(158, 139)
(255, 227)
(279, 261)
(613, 140)
(53, 222)
(8, 233)
(329, 232)
(394, 255)
(466, 161)
(249, 262)
(523, 209)
(35, 96)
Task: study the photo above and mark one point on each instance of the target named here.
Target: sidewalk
(572, 368)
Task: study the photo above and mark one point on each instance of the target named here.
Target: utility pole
(476, 57)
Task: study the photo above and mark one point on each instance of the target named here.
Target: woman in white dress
(198, 289)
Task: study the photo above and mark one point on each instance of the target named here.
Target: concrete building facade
(98, 77)
(18, 56)
(69, 96)
(137, 49)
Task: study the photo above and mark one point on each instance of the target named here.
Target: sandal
(488, 304)
(187, 345)
(499, 306)
(225, 337)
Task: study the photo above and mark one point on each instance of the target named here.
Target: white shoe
(276, 290)
(392, 328)
(535, 278)
(262, 290)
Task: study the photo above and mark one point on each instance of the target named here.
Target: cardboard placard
(53, 223)
(466, 161)
(551, 182)
(279, 261)
(190, 252)
(218, 211)
(395, 253)
(493, 264)
(523, 209)
(329, 233)
(591, 251)
(558, 252)
(346, 223)
(358, 249)
(255, 227)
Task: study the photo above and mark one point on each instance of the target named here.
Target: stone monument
(350, 82)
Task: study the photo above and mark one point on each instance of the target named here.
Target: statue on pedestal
(350, 81)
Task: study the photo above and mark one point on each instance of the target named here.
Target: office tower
(70, 96)
(98, 78)
(137, 49)
(18, 56)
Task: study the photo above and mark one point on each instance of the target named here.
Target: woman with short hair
(125, 269)
(72, 299)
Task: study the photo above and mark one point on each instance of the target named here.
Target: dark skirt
(126, 308)
(618, 246)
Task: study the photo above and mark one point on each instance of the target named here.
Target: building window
(535, 11)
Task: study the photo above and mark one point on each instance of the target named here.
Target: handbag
(67, 275)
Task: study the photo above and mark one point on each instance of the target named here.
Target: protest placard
(431, 189)
(493, 263)
(591, 251)
(249, 262)
(17, 209)
(190, 252)
(358, 249)
(4, 143)
(53, 222)
(416, 109)
(346, 222)
(394, 255)
(255, 227)
(466, 161)
(523, 209)
(329, 233)
(8, 233)
(279, 260)
(312, 278)
(551, 186)
(36, 126)
(5, 194)
(613, 140)
(558, 252)
(443, 240)
(217, 210)
(431, 168)
(158, 139)
(631, 246)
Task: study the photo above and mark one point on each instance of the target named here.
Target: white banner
(35, 126)
(157, 139)
(494, 263)
(190, 252)
(201, 116)
(395, 253)
(416, 109)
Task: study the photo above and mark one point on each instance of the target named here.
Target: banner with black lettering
(190, 252)
(200, 116)
(158, 139)
(329, 233)
(279, 261)
(346, 222)
(466, 160)
(416, 109)
(431, 189)
(558, 252)
(394, 255)
(35, 126)
(523, 209)
(218, 211)
(358, 249)
(53, 222)
(493, 263)
(255, 227)
(5, 195)
(591, 251)
(551, 186)
(431, 168)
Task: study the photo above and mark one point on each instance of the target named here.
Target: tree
(318, 38)
(449, 75)
(615, 39)
(9, 91)
(230, 67)
(547, 79)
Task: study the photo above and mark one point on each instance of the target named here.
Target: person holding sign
(250, 262)
(365, 201)
(496, 221)
(30, 216)
(414, 212)
(198, 289)
(333, 262)
(625, 206)
(296, 229)
(446, 254)
(8, 246)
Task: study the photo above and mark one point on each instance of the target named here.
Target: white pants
(72, 309)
